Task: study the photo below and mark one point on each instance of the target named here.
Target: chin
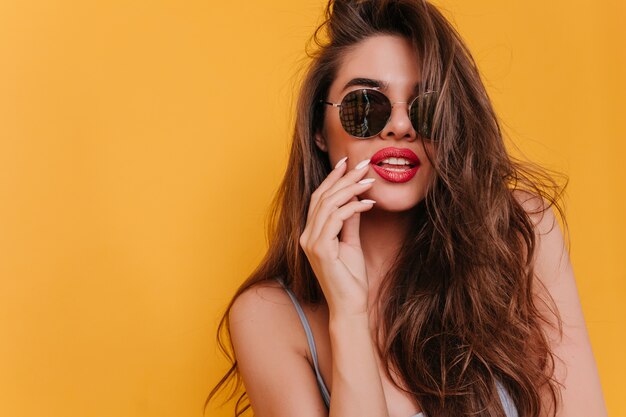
(395, 208)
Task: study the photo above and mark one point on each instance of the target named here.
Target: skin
(380, 229)
(349, 245)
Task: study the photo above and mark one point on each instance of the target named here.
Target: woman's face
(391, 60)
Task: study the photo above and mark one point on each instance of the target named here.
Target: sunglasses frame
(340, 105)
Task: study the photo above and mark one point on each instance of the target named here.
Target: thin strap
(309, 336)
(507, 402)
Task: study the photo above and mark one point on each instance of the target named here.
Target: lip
(395, 176)
(395, 153)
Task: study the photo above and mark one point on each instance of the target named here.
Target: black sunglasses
(364, 113)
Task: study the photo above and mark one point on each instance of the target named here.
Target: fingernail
(341, 161)
(367, 180)
(362, 164)
(366, 201)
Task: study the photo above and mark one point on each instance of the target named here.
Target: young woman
(414, 267)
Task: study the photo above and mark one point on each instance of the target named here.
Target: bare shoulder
(268, 342)
(537, 208)
(267, 298)
(268, 307)
(551, 250)
(575, 365)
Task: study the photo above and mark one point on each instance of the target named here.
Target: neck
(382, 233)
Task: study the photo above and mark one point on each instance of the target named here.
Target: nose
(399, 125)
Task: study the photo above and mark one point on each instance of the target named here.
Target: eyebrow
(369, 82)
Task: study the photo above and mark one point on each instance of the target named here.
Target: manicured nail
(367, 180)
(341, 161)
(366, 201)
(362, 164)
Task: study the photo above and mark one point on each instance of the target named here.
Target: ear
(320, 140)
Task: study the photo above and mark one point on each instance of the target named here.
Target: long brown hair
(457, 308)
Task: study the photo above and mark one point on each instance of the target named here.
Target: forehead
(390, 59)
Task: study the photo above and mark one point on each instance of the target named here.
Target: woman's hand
(339, 264)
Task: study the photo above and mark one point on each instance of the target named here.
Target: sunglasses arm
(332, 104)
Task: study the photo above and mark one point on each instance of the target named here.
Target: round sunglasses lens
(364, 113)
(422, 112)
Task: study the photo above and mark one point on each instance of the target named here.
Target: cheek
(333, 125)
(426, 162)
(338, 141)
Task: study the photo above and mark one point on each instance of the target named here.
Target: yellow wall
(133, 187)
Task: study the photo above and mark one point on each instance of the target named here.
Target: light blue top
(507, 401)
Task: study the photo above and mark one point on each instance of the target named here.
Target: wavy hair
(458, 310)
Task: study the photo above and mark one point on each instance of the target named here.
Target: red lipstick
(395, 172)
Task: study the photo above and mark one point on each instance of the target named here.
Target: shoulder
(266, 297)
(575, 365)
(538, 208)
(551, 261)
(264, 310)
(551, 264)
(267, 339)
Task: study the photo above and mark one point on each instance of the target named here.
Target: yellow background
(134, 186)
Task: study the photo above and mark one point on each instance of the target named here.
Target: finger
(328, 182)
(350, 231)
(335, 222)
(351, 177)
(333, 176)
(333, 202)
